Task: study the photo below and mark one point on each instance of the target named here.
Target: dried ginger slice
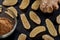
(22, 37)
(58, 19)
(59, 29)
(37, 30)
(35, 5)
(47, 37)
(9, 2)
(24, 4)
(13, 10)
(34, 17)
(0, 8)
(8, 12)
(25, 21)
(51, 27)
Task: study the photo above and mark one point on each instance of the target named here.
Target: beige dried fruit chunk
(34, 17)
(58, 19)
(25, 21)
(0, 8)
(59, 29)
(47, 37)
(22, 37)
(9, 13)
(9, 2)
(13, 10)
(24, 4)
(35, 5)
(37, 30)
(51, 27)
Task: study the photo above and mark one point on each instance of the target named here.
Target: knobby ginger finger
(59, 1)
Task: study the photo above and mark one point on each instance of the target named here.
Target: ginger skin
(47, 6)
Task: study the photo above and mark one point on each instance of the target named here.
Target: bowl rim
(12, 30)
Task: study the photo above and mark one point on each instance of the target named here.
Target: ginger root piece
(58, 19)
(51, 27)
(9, 2)
(25, 21)
(22, 37)
(13, 10)
(24, 4)
(34, 17)
(59, 29)
(37, 30)
(47, 37)
(46, 9)
(47, 6)
(35, 5)
(58, 1)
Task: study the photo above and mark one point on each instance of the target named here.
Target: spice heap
(5, 25)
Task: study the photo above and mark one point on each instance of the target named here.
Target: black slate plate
(20, 29)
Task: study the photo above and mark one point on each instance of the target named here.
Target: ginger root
(47, 6)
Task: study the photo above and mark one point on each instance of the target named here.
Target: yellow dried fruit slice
(13, 10)
(51, 27)
(59, 29)
(22, 37)
(58, 19)
(35, 5)
(9, 2)
(34, 17)
(24, 4)
(47, 37)
(37, 30)
(25, 21)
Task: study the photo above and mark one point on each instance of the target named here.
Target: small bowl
(14, 20)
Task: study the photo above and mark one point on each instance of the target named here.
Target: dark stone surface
(20, 29)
